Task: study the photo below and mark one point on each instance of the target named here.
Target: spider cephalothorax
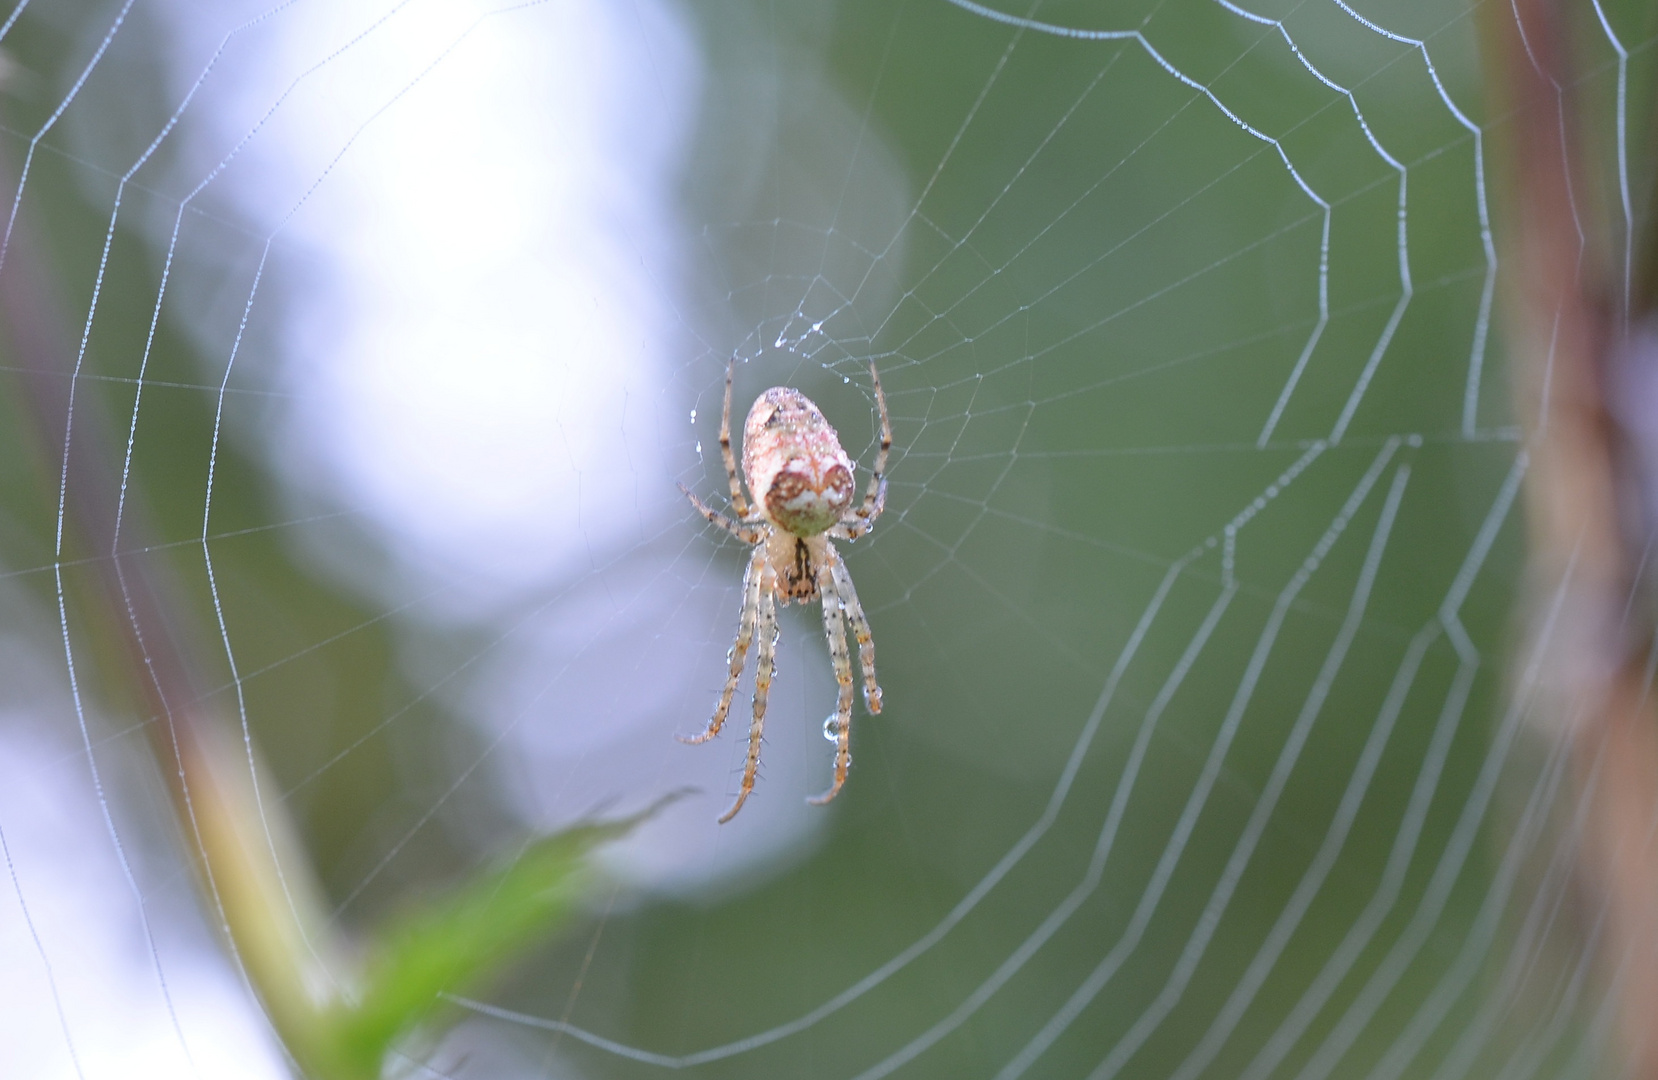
(801, 480)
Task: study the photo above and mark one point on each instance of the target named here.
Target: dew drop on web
(832, 728)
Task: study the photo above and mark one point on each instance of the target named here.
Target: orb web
(396, 325)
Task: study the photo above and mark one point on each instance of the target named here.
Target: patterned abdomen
(794, 464)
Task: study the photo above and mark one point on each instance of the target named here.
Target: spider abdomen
(794, 463)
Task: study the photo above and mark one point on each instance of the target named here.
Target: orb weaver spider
(802, 484)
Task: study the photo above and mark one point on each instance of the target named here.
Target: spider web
(397, 322)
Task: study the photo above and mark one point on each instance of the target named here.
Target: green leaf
(451, 943)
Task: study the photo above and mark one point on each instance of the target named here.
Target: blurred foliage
(453, 943)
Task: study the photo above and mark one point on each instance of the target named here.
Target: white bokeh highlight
(72, 932)
(476, 356)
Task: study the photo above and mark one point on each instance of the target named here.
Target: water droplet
(699, 447)
(693, 416)
(832, 729)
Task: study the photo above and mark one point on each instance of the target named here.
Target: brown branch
(1583, 499)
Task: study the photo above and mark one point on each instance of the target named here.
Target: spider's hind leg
(738, 503)
(875, 499)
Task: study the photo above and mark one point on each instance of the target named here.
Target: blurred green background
(1086, 287)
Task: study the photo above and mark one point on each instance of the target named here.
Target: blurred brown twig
(1578, 356)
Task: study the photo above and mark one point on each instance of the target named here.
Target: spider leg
(739, 648)
(738, 502)
(747, 533)
(834, 630)
(852, 526)
(875, 500)
(860, 627)
(766, 624)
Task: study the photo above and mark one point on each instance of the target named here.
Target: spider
(801, 480)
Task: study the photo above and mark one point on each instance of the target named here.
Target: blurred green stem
(269, 909)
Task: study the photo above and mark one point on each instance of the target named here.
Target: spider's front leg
(766, 626)
(738, 653)
(834, 631)
(860, 629)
